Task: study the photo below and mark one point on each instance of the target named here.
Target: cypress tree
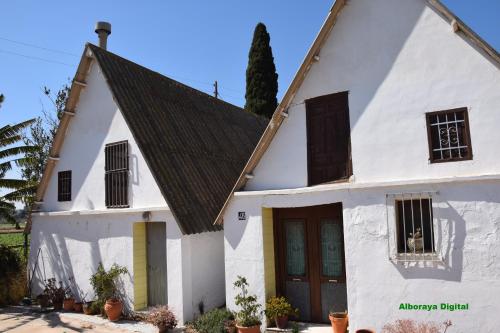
(262, 79)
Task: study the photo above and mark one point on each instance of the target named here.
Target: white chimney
(103, 30)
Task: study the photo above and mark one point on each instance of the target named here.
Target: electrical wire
(36, 58)
(38, 47)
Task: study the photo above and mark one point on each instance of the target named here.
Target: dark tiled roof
(195, 145)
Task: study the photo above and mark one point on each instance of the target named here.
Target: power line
(36, 58)
(38, 47)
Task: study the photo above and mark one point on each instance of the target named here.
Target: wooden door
(328, 138)
(310, 260)
(157, 263)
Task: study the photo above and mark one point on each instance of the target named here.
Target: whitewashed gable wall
(398, 59)
(98, 121)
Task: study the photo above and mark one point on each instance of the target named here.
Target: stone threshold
(303, 328)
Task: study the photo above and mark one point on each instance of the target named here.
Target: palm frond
(9, 140)
(21, 194)
(10, 130)
(6, 205)
(4, 167)
(13, 184)
(13, 151)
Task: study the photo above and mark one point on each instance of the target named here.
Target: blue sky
(195, 42)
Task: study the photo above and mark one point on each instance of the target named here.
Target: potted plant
(105, 287)
(56, 293)
(87, 307)
(69, 301)
(247, 319)
(339, 321)
(278, 309)
(43, 300)
(162, 317)
(230, 326)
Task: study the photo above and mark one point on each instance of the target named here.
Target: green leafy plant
(105, 285)
(213, 321)
(248, 315)
(279, 307)
(55, 291)
(12, 276)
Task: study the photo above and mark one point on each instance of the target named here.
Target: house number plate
(242, 216)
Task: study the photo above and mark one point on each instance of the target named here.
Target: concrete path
(29, 320)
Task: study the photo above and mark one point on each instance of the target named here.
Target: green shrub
(213, 321)
(105, 285)
(248, 315)
(12, 277)
(279, 307)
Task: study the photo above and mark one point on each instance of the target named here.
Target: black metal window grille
(116, 174)
(449, 136)
(415, 231)
(64, 186)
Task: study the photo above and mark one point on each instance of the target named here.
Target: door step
(303, 328)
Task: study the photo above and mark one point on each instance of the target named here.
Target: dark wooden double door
(310, 260)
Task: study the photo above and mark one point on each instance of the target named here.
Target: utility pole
(216, 91)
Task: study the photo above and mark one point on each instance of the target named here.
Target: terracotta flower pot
(57, 305)
(78, 307)
(86, 308)
(339, 321)
(162, 329)
(281, 322)
(43, 300)
(68, 304)
(252, 329)
(113, 309)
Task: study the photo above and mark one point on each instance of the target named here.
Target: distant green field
(10, 226)
(12, 239)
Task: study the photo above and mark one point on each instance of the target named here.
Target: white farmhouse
(377, 181)
(140, 167)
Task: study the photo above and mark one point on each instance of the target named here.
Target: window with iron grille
(116, 174)
(64, 186)
(415, 232)
(449, 135)
(411, 227)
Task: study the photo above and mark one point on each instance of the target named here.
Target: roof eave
(77, 85)
(278, 115)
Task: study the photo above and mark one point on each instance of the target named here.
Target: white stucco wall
(467, 219)
(206, 253)
(74, 245)
(75, 236)
(98, 121)
(398, 60)
(195, 272)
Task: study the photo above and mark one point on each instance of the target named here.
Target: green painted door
(157, 263)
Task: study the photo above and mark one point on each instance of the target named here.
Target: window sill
(417, 257)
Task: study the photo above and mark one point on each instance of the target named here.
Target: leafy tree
(40, 134)
(261, 76)
(10, 151)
